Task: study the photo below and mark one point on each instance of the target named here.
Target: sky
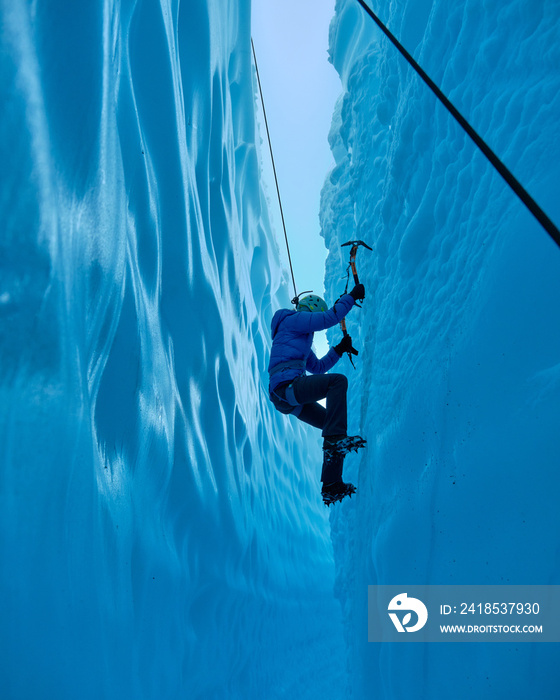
(300, 88)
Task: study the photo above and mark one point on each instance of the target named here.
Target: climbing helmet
(312, 302)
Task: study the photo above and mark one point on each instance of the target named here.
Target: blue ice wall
(162, 534)
(458, 381)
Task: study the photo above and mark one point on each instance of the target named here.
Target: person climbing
(294, 392)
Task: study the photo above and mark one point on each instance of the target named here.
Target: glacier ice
(162, 531)
(456, 388)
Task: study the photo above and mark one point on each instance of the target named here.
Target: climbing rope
(274, 171)
(508, 176)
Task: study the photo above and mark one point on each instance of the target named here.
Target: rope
(508, 176)
(274, 168)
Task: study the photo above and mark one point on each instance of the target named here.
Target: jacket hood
(278, 317)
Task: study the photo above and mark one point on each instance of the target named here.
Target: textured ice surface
(457, 385)
(162, 530)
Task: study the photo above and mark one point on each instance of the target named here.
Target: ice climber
(293, 391)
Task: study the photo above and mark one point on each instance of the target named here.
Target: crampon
(344, 445)
(336, 492)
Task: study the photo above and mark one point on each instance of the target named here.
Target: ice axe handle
(352, 350)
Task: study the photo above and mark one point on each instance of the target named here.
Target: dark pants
(308, 390)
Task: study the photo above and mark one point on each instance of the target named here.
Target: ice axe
(353, 251)
(352, 266)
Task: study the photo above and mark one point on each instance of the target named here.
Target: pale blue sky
(300, 89)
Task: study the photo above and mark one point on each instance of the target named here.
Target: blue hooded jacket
(292, 337)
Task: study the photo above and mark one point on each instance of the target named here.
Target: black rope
(508, 176)
(274, 168)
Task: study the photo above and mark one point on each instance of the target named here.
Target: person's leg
(333, 387)
(314, 414)
(332, 421)
(332, 468)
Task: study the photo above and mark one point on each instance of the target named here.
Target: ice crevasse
(162, 532)
(457, 387)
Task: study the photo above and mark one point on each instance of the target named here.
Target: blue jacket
(292, 337)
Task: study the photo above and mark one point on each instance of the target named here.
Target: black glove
(345, 345)
(359, 292)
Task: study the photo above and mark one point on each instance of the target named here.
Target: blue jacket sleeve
(305, 322)
(316, 366)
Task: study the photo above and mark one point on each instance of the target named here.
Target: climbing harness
(508, 176)
(288, 364)
(352, 266)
